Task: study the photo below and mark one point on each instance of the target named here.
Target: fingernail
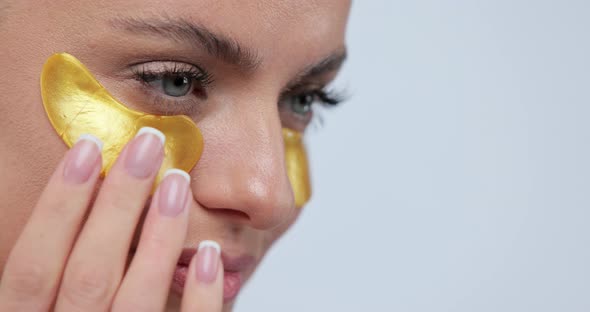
(82, 159)
(173, 192)
(145, 152)
(207, 261)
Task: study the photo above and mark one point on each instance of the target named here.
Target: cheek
(273, 235)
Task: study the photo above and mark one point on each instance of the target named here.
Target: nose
(242, 171)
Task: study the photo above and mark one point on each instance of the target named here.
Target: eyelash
(201, 76)
(202, 79)
(329, 97)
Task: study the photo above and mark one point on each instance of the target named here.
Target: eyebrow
(331, 63)
(181, 30)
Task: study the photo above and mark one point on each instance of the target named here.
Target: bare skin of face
(249, 62)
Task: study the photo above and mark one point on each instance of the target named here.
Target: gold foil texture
(76, 103)
(297, 167)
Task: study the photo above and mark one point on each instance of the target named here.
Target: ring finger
(147, 282)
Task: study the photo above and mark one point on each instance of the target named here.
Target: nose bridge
(259, 144)
(247, 173)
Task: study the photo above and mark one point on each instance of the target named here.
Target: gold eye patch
(297, 168)
(76, 103)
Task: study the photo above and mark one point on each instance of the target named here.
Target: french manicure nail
(172, 192)
(207, 261)
(145, 152)
(82, 159)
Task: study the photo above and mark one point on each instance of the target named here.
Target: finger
(203, 290)
(95, 267)
(35, 265)
(146, 284)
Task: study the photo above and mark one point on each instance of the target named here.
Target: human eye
(177, 87)
(297, 106)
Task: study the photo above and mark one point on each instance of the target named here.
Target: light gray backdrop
(457, 177)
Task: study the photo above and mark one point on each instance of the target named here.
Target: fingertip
(204, 283)
(153, 131)
(179, 172)
(209, 243)
(91, 138)
(207, 261)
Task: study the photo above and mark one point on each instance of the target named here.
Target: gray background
(457, 176)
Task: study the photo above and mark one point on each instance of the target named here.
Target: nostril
(232, 214)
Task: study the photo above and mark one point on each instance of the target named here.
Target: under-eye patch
(76, 103)
(297, 167)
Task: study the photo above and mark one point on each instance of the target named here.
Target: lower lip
(232, 282)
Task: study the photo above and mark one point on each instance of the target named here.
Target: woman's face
(254, 68)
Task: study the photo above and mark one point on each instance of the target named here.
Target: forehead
(278, 31)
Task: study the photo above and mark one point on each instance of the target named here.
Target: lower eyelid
(292, 120)
(152, 102)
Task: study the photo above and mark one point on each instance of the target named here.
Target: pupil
(179, 81)
(302, 103)
(305, 99)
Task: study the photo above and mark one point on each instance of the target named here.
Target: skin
(241, 196)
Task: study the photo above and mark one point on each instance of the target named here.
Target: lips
(233, 278)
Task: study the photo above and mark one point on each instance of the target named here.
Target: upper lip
(231, 263)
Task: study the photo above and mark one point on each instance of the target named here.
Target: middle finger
(95, 267)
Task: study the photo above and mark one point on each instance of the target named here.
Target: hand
(61, 262)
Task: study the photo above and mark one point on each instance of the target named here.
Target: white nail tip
(178, 172)
(209, 243)
(91, 138)
(153, 131)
